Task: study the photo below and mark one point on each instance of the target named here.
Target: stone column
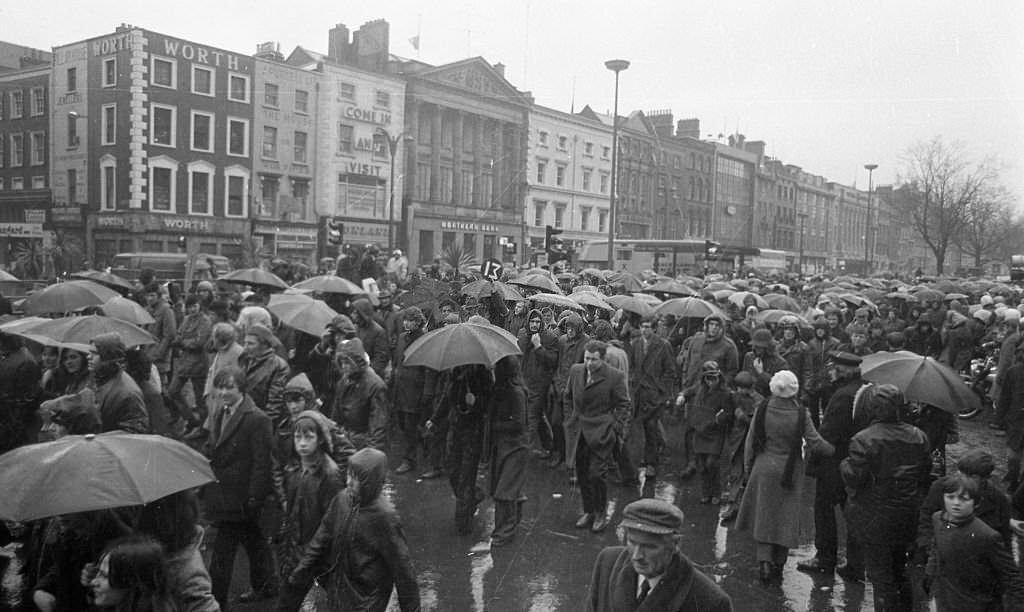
(435, 155)
(480, 157)
(411, 180)
(498, 191)
(457, 159)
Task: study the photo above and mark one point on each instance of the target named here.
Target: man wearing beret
(650, 573)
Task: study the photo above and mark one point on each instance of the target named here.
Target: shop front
(431, 237)
(294, 242)
(127, 232)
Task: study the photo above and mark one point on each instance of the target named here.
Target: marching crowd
(298, 430)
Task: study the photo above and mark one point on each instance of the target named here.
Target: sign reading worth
(491, 269)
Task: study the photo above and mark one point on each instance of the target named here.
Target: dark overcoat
(240, 458)
(597, 412)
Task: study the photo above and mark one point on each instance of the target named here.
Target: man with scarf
(650, 573)
(360, 404)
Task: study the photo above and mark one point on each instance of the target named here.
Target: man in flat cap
(650, 572)
(838, 425)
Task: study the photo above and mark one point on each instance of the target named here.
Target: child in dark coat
(745, 400)
(710, 413)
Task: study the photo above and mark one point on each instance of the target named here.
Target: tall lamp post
(393, 151)
(867, 221)
(803, 219)
(616, 66)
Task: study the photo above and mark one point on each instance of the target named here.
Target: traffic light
(550, 242)
(183, 243)
(711, 248)
(335, 231)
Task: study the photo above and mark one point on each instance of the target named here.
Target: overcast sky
(830, 86)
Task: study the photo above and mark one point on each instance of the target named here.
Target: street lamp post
(616, 66)
(393, 151)
(867, 221)
(803, 218)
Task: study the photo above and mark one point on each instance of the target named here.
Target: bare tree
(939, 184)
(988, 224)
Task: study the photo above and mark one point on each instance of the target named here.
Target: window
(236, 191)
(345, 133)
(563, 143)
(269, 142)
(383, 99)
(162, 184)
(38, 101)
(559, 216)
(560, 175)
(270, 95)
(17, 150)
(602, 220)
(238, 88)
(163, 125)
(538, 213)
(604, 182)
(587, 174)
(301, 101)
(542, 138)
(300, 195)
(542, 169)
(300, 147)
(17, 183)
(202, 81)
(584, 218)
(72, 79)
(588, 149)
(202, 131)
(606, 152)
(72, 187)
(110, 72)
(108, 183)
(17, 104)
(108, 124)
(38, 182)
(164, 72)
(238, 137)
(200, 187)
(72, 132)
(269, 186)
(347, 90)
(38, 144)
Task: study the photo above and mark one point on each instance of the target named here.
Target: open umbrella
(7, 277)
(670, 287)
(461, 344)
(955, 296)
(104, 278)
(96, 472)
(929, 295)
(688, 307)
(782, 302)
(773, 315)
(127, 310)
(555, 300)
(723, 294)
(254, 276)
(922, 379)
(651, 300)
(536, 281)
(82, 330)
(588, 288)
(719, 285)
(302, 312)
(329, 283)
(901, 295)
(591, 298)
(592, 272)
(631, 303)
(625, 280)
(483, 288)
(740, 296)
(67, 297)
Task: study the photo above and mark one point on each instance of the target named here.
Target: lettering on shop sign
(367, 116)
(118, 42)
(200, 225)
(71, 54)
(473, 227)
(24, 230)
(200, 55)
(366, 230)
(364, 169)
(111, 222)
(73, 97)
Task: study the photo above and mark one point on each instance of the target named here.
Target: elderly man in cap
(839, 423)
(650, 573)
(360, 403)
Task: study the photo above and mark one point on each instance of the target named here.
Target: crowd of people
(298, 429)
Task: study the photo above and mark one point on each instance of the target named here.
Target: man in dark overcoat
(652, 374)
(597, 401)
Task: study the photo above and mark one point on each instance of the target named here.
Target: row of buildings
(126, 141)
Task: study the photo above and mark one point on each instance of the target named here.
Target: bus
(673, 257)
(1016, 268)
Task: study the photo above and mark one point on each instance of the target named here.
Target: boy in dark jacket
(710, 408)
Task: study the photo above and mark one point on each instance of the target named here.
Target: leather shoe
(404, 468)
(431, 474)
(584, 521)
(816, 566)
(853, 574)
(600, 523)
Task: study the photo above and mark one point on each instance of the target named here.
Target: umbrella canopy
(329, 283)
(555, 300)
(81, 330)
(631, 303)
(254, 276)
(922, 379)
(719, 285)
(955, 296)
(625, 280)
(536, 281)
(67, 297)
(858, 301)
(127, 310)
(901, 295)
(772, 315)
(1001, 289)
(740, 296)
(652, 300)
(590, 298)
(670, 287)
(96, 472)
(16, 326)
(590, 288)
(7, 277)
(461, 344)
(688, 307)
(483, 288)
(592, 272)
(302, 312)
(782, 302)
(104, 278)
(723, 294)
(929, 295)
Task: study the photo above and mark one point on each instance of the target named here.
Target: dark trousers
(507, 515)
(231, 534)
(827, 497)
(710, 478)
(648, 411)
(410, 423)
(464, 450)
(536, 407)
(176, 401)
(816, 404)
(592, 475)
(884, 538)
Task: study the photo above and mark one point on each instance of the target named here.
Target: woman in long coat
(506, 452)
(771, 504)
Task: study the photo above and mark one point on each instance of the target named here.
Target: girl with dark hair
(132, 577)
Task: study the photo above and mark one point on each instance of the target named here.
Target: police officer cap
(843, 358)
(653, 516)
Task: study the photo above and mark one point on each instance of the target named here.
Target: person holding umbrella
(19, 390)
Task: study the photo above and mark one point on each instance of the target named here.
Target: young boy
(745, 400)
(710, 413)
(969, 566)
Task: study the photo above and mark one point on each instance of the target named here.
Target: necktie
(645, 589)
(225, 414)
(588, 377)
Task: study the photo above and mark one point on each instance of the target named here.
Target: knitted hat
(784, 384)
(762, 338)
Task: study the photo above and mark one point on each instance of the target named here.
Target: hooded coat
(359, 553)
(266, 375)
(118, 397)
(372, 335)
(361, 409)
(539, 364)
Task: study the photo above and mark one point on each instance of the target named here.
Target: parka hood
(324, 427)
(365, 310)
(300, 384)
(370, 467)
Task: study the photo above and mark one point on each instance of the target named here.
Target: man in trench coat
(597, 401)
